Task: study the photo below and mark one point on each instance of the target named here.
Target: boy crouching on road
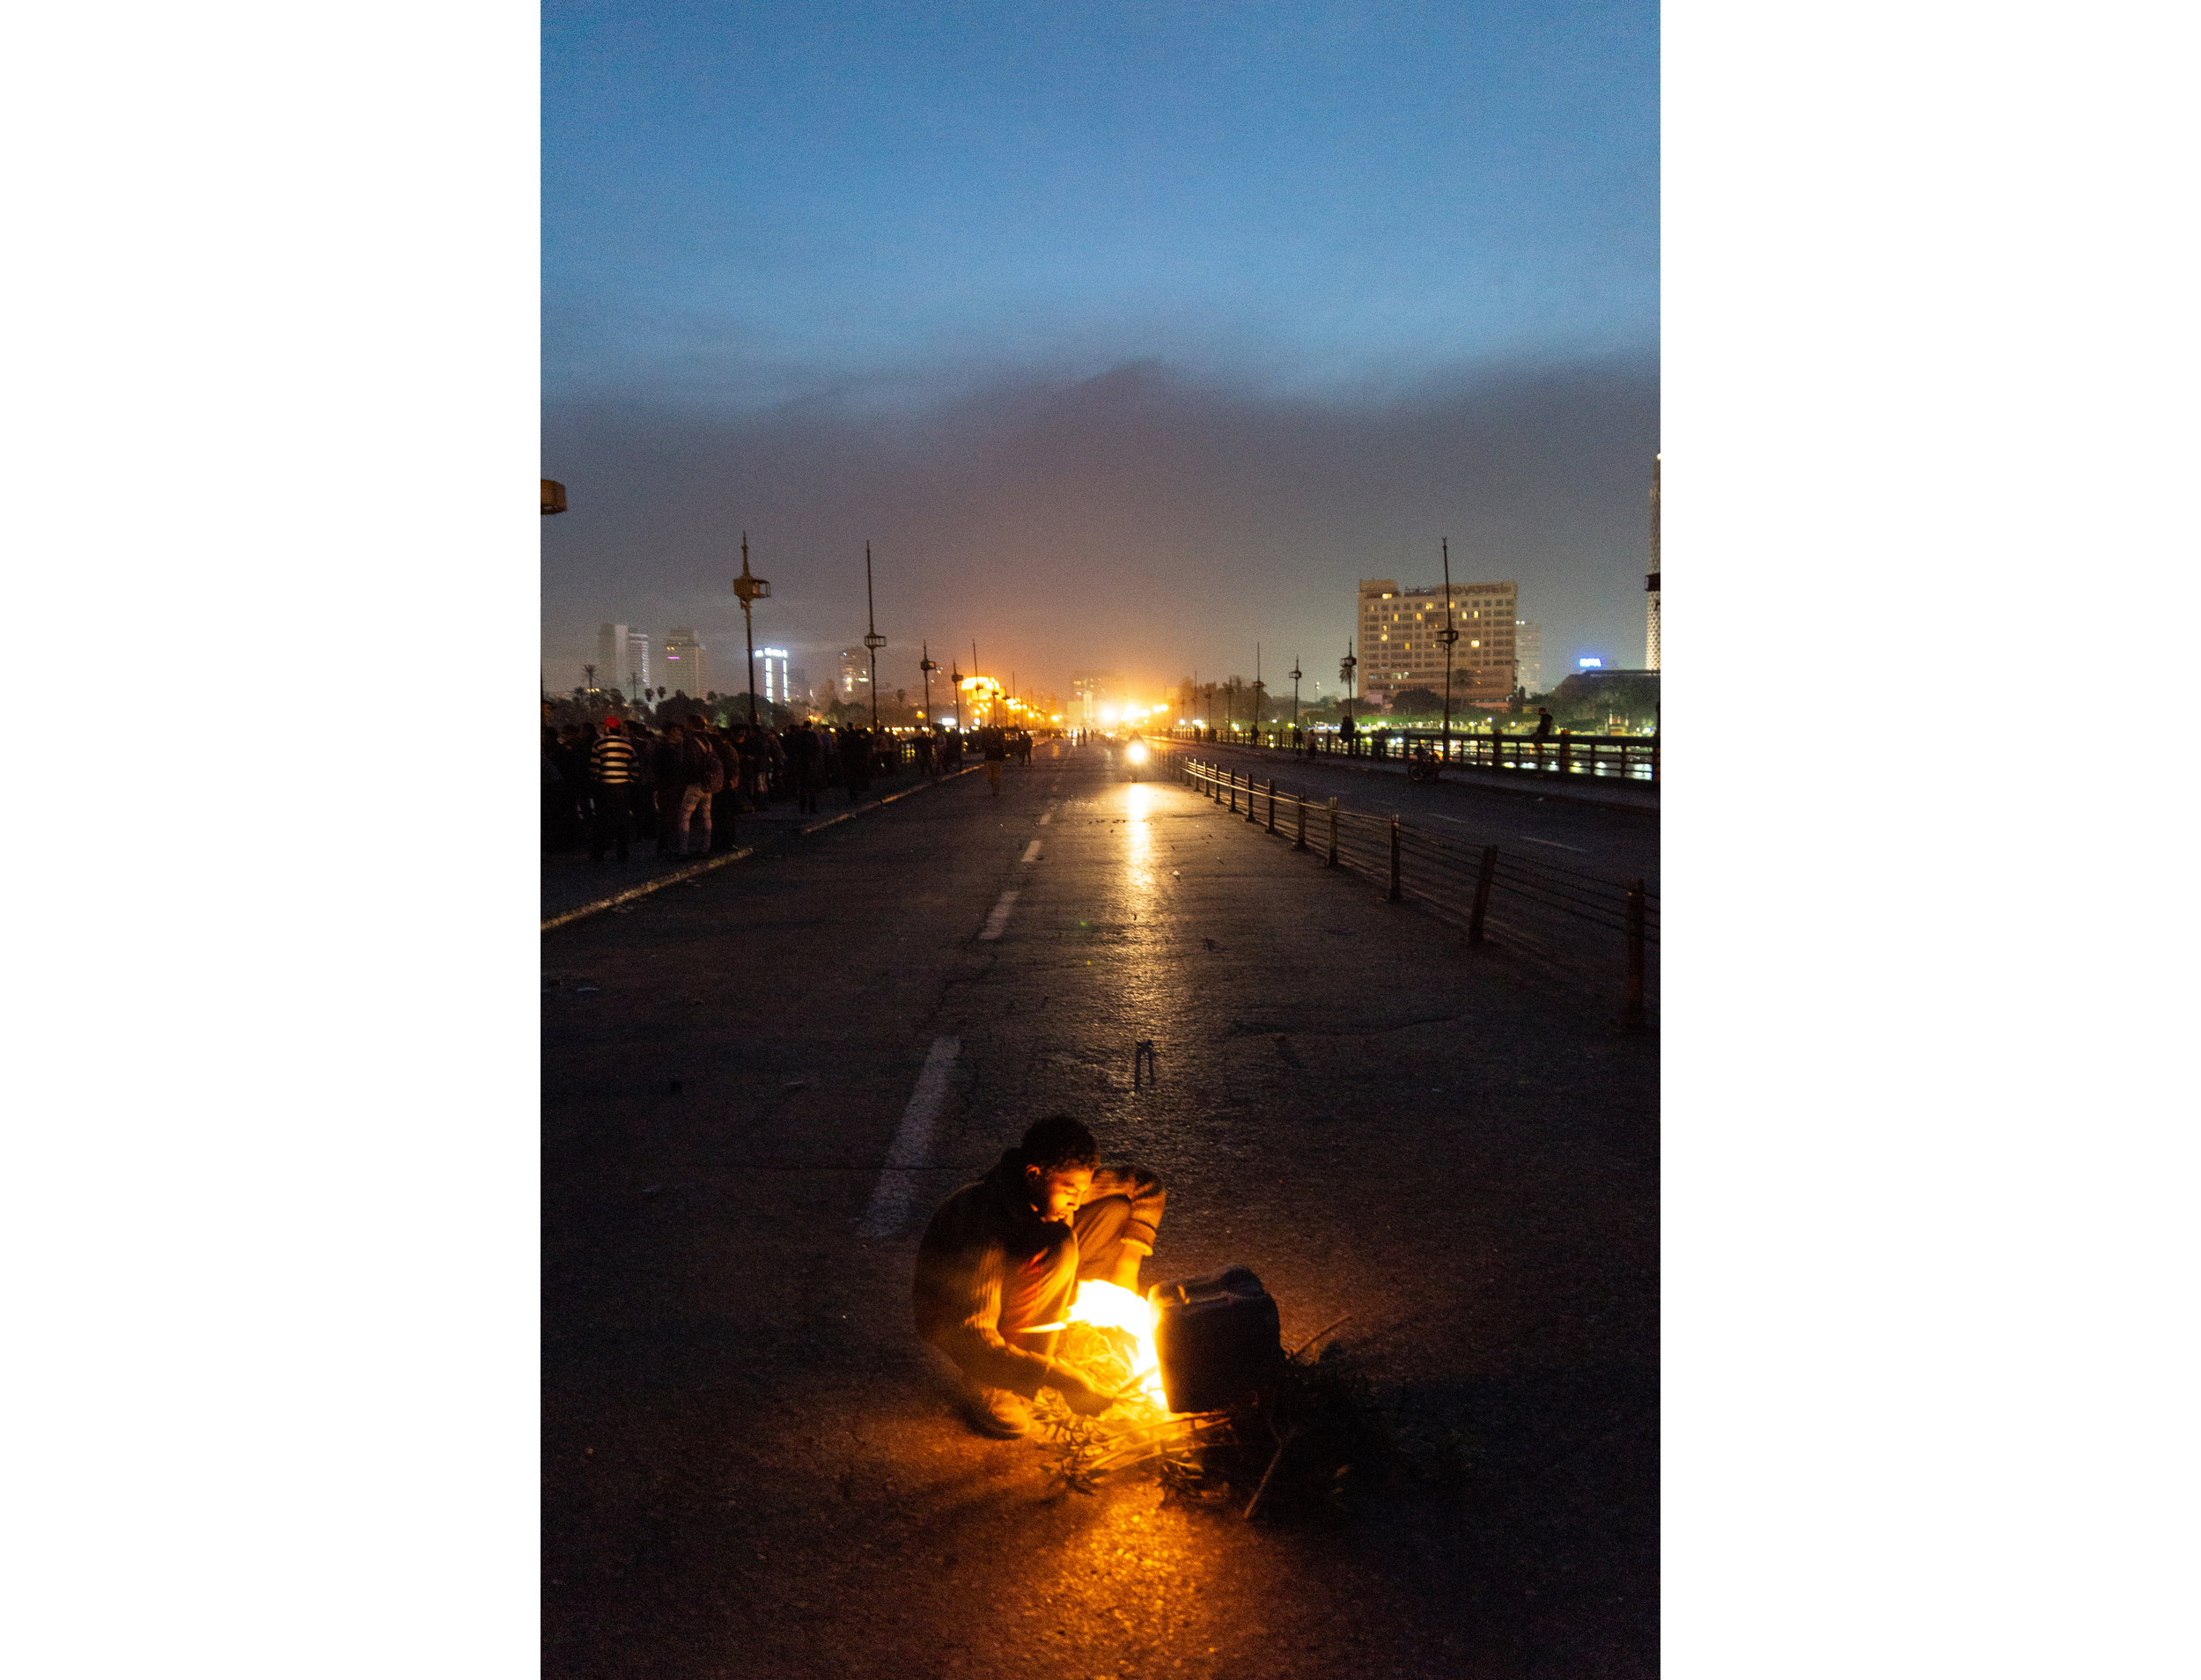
(1007, 1253)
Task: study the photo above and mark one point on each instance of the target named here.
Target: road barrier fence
(1633, 758)
(1453, 879)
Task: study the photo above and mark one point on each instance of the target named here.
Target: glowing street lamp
(872, 639)
(751, 590)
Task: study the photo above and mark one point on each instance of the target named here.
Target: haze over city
(1127, 338)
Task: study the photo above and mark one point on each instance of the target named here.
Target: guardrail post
(1272, 805)
(1233, 792)
(1481, 895)
(1299, 845)
(1253, 810)
(1393, 892)
(1333, 831)
(1631, 1017)
(1567, 752)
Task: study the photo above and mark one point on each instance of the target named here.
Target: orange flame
(1116, 1307)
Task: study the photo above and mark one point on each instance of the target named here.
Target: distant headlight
(1136, 752)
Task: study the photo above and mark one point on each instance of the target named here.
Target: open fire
(1108, 1306)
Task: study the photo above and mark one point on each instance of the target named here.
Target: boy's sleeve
(1146, 1196)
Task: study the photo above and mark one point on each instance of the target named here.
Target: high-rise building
(1092, 693)
(1401, 649)
(684, 671)
(622, 658)
(856, 674)
(1528, 655)
(774, 676)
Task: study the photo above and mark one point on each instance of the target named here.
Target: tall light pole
(751, 590)
(1447, 636)
(1345, 675)
(1259, 688)
(928, 665)
(872, 639)
(1295, 691)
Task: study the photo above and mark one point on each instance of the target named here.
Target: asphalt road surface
(753, 1468)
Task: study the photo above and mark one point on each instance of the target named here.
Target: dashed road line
(998, 919)
(1031, 853)
(912, 1145)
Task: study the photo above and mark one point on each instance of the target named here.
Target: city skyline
(1127, 337)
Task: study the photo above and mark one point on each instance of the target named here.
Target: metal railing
(1547, 908)
(1631, 757)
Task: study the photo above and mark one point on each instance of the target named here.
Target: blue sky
(850, 211)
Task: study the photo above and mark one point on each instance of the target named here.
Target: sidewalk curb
(642, 889)
(1509, 790)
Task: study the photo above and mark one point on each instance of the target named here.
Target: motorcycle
(1422, 767)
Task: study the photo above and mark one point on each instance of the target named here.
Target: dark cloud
(1138, 520)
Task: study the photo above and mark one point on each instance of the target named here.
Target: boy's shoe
(998, 1413)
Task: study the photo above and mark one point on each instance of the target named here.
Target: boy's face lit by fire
(1058, 1195)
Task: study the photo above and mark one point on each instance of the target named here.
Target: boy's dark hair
(1059, 1143)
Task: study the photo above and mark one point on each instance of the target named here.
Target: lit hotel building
(1401, 649)
(622, 658)
(776, 675)
(684, 664)
(856, 674)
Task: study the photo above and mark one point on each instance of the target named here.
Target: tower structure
(1650, 581)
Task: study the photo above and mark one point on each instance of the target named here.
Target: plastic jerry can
(1218, 1338)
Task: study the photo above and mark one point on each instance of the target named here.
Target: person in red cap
(613, 771)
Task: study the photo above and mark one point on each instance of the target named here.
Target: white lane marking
(1031, 853)
(913, 1143)
(998, 919)
(1534, 842)
(1046, 817)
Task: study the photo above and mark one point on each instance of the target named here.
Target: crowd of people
(681, 785)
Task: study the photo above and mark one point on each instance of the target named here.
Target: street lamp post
(1258, 689)
(1346, 667)
(872, 639)
(928, 665)
(751, 590)
(1447, 636)
(1295, 691)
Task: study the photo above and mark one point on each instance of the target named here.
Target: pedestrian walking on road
(802, 765)
(667, 758)
(725, 804)
(701, 775)
(1005, 1256)
(615, 769)
(996, 751)
(856, 763)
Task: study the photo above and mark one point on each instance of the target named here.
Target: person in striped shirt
(615, 769)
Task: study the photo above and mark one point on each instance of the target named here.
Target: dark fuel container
(1218, 1338)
